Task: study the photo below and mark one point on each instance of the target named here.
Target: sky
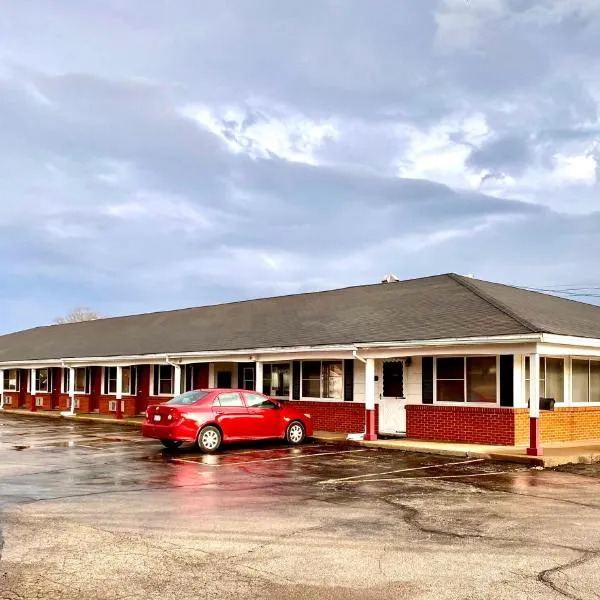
(158, 154)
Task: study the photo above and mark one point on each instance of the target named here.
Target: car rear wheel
(171, 444)
(295, 433)
(209, 439)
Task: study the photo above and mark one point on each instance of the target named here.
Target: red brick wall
(472, 424)
(129, 402)
(568, 424)
(347, 417)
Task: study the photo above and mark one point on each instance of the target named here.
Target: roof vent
(390, 278)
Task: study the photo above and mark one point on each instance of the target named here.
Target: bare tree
(78, 314)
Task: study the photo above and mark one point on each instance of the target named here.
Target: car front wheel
(209, 439)
(171, 444)
(295, 433)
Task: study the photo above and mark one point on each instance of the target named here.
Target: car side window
(258, 401)
(229, 399)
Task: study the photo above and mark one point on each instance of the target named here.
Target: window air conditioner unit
(39, 402)
(77, 403)
(112, 405)
(8, 400)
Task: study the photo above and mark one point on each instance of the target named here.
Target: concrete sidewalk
(555, 454)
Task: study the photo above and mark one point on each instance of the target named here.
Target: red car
(211, 417)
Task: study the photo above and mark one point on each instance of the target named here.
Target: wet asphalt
(96, 512)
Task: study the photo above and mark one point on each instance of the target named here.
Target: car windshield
(187, 398)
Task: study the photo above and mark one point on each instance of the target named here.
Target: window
(163, 380)
(552, 378)
(393, 379)
(42, 380)
(229, 399)
(586, 381)
(470, 379)
(188, 398)
(12, 380)
(322, 379)
(128, 384)
(223, 379)
(276, 380)
(259, 401)
(110, 380)
(82, 380)
(481, 379)
(248, 379)
(450, 379)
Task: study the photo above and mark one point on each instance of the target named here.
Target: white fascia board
(569, 340)
(244, 355)
(499, 339)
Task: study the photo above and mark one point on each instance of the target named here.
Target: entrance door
(392, 401)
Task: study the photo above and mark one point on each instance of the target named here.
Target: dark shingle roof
(443, 306)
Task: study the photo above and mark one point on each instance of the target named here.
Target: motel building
(443, 358)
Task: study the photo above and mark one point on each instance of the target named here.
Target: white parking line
(439, 476)
(249, 462)
(437, 466)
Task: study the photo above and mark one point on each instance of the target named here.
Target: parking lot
(96, 512)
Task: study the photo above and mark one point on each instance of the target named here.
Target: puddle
(20, 447)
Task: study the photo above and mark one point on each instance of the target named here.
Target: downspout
(177, 375)
(358, 436)
(357, 357)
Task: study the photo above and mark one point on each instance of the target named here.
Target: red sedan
(211, 417)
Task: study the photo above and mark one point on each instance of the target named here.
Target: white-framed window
(585, 381)
(82, 380)
(187, 378)
(42, 380)
(109, 381)
(552, 378)
(163, 380)
(248, 378)
(277, 379)
(323, 379)
(12, 380)
(470, 379)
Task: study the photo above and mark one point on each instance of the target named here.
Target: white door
(392, 403)
(392, 416)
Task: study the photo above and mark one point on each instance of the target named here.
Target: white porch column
(1, 389)
(32, 389)
(534, 405)
(72, 389)
(177, 380)
(211, 375)
(258, 377)
(119, 394)
(370, 433)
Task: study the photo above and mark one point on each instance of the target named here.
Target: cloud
(154, 156)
